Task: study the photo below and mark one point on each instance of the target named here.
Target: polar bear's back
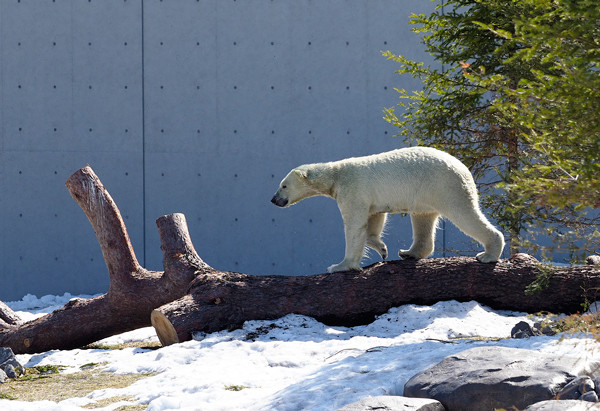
(408, 179)
(412, 162)
(428, 161)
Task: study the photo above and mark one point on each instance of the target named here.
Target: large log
(133, 291)
(224, 300)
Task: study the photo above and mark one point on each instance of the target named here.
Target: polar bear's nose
(278, 201)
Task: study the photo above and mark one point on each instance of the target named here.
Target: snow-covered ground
(293, 363)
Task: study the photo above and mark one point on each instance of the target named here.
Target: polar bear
(423, 182)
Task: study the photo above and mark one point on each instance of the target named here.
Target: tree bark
(8, 318)
(133, 291)
(224, 300)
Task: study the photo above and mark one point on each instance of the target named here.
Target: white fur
(424, 182)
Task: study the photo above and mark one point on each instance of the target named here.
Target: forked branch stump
(133, 291)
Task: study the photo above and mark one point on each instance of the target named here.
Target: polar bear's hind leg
(472, 222)
(423, 227)
(375, 227)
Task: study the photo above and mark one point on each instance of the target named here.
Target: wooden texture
(224, 300)
(8, 318)
(133, 291)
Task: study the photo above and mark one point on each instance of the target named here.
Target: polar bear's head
(296, 186)
(291, 189)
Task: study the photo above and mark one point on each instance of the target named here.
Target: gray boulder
(576, 388)
(563, 405)
(589, 396)
(393, 403)
(9, 364)
(485, 378)
(522, 330)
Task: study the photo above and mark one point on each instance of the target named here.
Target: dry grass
(147, 345)
(113, 400)
(588, 324)
(48, 383)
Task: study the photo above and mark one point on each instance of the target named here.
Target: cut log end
(164, 329)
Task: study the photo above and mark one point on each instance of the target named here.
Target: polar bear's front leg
(355, 229)
(374, 229)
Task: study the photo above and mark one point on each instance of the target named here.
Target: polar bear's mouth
(278, 201)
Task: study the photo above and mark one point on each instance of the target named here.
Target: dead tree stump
(133, 291)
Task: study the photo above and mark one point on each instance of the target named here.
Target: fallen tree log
(224, 300)
(133, 291)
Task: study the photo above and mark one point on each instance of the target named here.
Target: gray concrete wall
(190, 106)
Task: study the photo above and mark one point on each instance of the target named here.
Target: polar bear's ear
(301, 174)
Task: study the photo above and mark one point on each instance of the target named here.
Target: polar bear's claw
(379, 246)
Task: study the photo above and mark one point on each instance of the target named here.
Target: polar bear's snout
(279, 201)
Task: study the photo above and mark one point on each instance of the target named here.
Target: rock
(522, 330)
(3, 377)
(543, 329)
(9, 364)
(563, 405)
(593, 308)
(593, 260)
(576, 388)
(590, 396)
(10, 371)
(485, 378)
(393, 403)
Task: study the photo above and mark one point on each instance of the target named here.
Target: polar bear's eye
(284, 186)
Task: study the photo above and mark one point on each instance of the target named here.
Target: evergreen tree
(487, 101)
(557, 114)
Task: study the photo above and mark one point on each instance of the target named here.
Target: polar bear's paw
(342, 267)
(486, 258)
(409, 255)
(379, 246)
(406, 256)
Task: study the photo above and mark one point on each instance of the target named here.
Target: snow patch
(292, 363)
